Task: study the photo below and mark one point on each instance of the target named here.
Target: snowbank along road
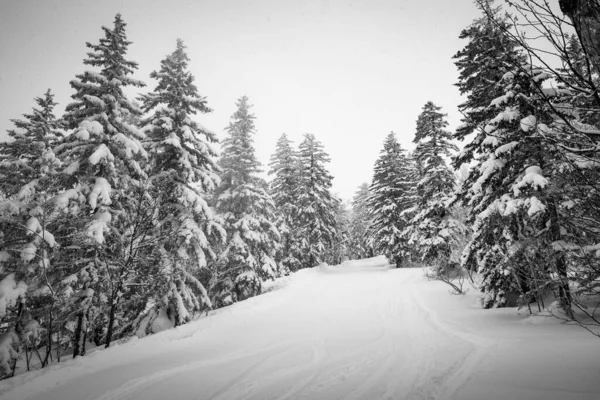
(355, 331)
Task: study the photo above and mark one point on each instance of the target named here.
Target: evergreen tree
(432, 228)
(21, 159)
(103, 158)
(391, 196)
(30, 225)
(247, 211)
(283, 189)
(524, 197)
(488, 55)
(316, 204)
(360, 220)
(339, 249)
(183, 171)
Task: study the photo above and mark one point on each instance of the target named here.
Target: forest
(120, 218)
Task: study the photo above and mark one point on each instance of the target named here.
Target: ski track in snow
(356, 332)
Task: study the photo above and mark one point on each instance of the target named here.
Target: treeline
(118, 218)
(526, 218)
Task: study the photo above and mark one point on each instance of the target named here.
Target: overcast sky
(346, 71)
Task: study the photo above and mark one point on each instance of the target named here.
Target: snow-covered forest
(125, 216)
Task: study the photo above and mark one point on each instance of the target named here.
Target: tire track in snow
(132, 387)
(453, 379)
(389, 359)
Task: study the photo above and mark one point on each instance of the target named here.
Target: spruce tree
(32, 229)
(183, 171)
(102, 158)
(391, 196)
(360, 220)
(21, 159)
(316, 204)
(283, 189)
(432, 227)
(339, 250)
(247, 211)
(482, 63)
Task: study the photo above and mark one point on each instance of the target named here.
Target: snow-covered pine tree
(530, 194)
(316, 204)
(359, 223)
(432, 228)
(283, 188)
(247, 211)
(183, 171)
(339, 249)
(391, 196)
(482, 63)
(29, 222)
(103, 158)
(21, 158)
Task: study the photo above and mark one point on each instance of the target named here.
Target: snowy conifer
(359, 223)
(21, 159)
(283, 189)
(316, 204)
(183, 171)
(391, 196)
(339, 250)
(432, 228)
(487, 56)
(35, 221)
(247, 211)
(102, 158)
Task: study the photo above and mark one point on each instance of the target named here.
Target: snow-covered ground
(355, 331)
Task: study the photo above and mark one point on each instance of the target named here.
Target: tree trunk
(111, 319)
(49, 336)
(77, 337)
(564, 293)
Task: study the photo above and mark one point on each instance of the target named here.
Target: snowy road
(339, 333)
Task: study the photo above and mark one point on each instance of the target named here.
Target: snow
(93, 127)
(535, 206)
(27, 190)
(72, 168)
(506, 148)
(100, 191)
(528, 123)
(62, 200)
(28, 252)
(4, 256)
(502, 99)
(131, 146)
(33, 226)
(99, 224)
(534, 177)
(355, 331)
(10, 291)
(101, 152)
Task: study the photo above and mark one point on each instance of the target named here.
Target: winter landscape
(382, 202)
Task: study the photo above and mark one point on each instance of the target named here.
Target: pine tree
(527, 196)
(316, 204)
(432, 228)
(391, 196)
(283, 189)
(21, 159)
(488, 55)
(339, 250)
(247, 211)
(183, 171)
(360, 220)
(30, 222)
(103, 155)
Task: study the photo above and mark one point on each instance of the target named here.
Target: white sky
(346, 71)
